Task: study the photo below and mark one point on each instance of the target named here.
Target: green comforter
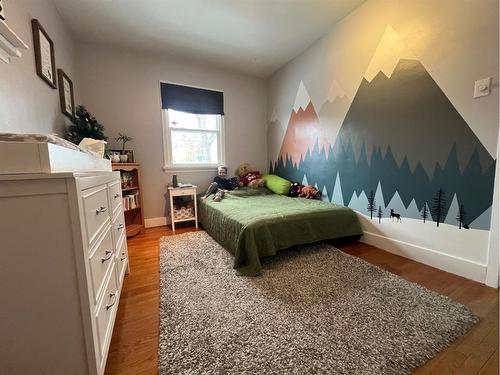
(255, 223)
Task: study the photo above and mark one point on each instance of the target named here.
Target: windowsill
(189, 168)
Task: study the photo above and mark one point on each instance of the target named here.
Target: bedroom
(385, 113)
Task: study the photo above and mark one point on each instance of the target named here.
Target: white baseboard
(449, 263)
(156, 222)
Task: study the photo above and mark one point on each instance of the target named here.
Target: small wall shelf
(10, 44)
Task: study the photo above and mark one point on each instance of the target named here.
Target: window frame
(198, 167)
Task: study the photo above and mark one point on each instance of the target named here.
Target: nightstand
(182, 192)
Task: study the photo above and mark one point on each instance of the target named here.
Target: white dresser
(63, 257)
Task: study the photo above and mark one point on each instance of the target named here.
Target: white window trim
(167, 150)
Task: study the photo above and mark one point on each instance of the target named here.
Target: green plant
(84, 125)
(124, 139)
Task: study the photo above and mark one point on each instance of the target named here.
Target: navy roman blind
(192, 99)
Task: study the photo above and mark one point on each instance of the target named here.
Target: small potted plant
(124, 139)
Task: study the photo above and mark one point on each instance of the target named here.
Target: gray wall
(28, 104)
(122, 90)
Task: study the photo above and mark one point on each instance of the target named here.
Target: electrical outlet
(482, 87)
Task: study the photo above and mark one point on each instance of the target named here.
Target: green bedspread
(254, 223)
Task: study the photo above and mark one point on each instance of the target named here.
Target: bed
(256, 223)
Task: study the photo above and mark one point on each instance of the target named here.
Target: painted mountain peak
(390, 50)
(303, 132)
(335, 91)
(413, 116)
(302, 98)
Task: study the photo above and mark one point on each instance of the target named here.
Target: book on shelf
(131, 201)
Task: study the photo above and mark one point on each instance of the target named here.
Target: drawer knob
(107, 256)
(100, 210)
(113, 297)
(120, 226)
(116, 195)
(123, 257)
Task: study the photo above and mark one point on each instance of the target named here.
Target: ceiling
(255, 37)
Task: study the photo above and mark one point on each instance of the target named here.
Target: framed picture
(2, 13)
(44, 54)
(66, 95)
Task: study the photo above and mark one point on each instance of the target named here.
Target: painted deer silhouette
(395, 215)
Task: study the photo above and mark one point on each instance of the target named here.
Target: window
(193, 140)
(193, 127)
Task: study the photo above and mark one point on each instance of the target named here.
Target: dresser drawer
(118, 225)
(115, 195)
(96, 210)
(121, 260)
(185, 191)
(106, 312)
(100, 261)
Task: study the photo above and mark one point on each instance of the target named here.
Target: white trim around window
(169, 166)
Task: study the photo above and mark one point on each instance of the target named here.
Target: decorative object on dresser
(84, 125)
(132, 196)
(66, 95)
(10, 43)
(45, 60)
(63, 260)
(126, 156)
(186, 211)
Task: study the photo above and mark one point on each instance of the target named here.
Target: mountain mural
(401, 137)
(303, 130)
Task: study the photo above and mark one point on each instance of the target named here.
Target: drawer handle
(108, 256)
(116, 195)
(120, 226)
(123, 257)
(112, 295)
(101, 209)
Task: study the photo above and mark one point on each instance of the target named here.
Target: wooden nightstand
(182, 192)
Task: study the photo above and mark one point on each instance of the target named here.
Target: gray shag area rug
(314, 310)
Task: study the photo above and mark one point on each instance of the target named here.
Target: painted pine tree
(379, 214)
(425, 213)
(371, 204)
(438, 209)
(461, 217)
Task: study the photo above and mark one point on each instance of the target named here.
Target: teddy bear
(248, 177)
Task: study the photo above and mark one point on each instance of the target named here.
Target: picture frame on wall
(66, 94)
(45, 60)
(2, 11)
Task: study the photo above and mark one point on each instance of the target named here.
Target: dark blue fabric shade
(192, 99)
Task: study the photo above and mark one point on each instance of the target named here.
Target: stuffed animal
(249, 177)
(294, 190)
(309, 192)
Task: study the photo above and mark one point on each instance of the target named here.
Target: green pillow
(277, 184)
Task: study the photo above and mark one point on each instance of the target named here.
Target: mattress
(255, 223)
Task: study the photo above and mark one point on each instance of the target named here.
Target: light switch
(482, 87)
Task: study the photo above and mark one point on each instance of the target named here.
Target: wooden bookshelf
(134, 217)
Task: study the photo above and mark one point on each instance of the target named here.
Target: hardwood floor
(134, 344)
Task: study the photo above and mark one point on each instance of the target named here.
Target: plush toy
(309, 192)
(294, 190)
(249, 177)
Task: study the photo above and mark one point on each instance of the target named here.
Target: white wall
(27, 103)
(122, 89)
